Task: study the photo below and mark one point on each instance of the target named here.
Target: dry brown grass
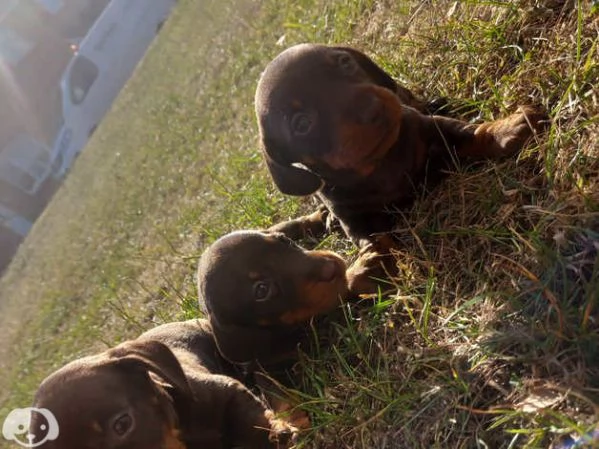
(489, 337)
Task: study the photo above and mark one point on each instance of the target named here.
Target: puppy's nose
(369, 108)
(328, 272)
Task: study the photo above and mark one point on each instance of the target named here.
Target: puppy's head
(256, 286)
(325, 113)
(126, 397)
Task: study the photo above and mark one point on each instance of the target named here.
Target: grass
(489, 338)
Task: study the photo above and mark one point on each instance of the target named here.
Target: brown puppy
(259, 289)
(333, 122)
(163, 390)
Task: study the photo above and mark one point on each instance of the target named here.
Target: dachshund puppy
(166, 389)
(334, 123)
(259, 289)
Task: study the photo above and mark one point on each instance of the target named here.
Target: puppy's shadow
(551, 333)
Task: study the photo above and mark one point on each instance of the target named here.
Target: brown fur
(334, 123)
(259, 333)
(302, 284)
(170, 385)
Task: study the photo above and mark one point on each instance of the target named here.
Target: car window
(83, 74)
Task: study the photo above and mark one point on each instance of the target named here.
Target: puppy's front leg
(374, 264)
(313, 225)
(281, 400)
(499, 138)
(247, 420)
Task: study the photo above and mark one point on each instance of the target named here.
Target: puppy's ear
(154, 357)
(292, 180)
(378, 75)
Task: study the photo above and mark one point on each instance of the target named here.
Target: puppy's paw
(374, 263)
(300, 419)
(319, 217)
(293, 415)
(307, 226)
(507, 136)
(283, 434)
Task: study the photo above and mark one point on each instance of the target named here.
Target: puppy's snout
(369, 108)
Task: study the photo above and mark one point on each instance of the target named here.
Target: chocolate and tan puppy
(167, 389)
(334, 123)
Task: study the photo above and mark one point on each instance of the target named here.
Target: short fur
(259, 289)
(167, 389)
(334, 123)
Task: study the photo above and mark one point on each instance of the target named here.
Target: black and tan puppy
(259, 289)
(333, 122)
(163, 390)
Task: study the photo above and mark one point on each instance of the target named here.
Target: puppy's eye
(301, 124)
(346, 64)
(122, 424)
(263, 291)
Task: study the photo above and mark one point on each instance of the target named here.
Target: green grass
(490, 337)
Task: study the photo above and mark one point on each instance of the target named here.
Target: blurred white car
(103, 63)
